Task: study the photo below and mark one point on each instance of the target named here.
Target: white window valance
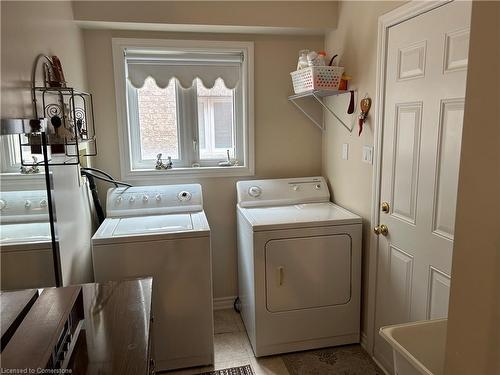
(164, 65)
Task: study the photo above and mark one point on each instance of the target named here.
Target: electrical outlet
(367, 156)
(345, 151)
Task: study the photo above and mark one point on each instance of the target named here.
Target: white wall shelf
(318, 95)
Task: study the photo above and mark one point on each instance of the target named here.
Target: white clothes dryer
(299, 266)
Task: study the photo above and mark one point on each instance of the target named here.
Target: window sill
(199, 172)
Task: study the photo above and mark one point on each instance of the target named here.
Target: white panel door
(308, 272)
(423, 113)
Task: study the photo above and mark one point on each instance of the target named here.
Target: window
(10, 165)
(190, 101)
(216, 122)
(157, 120)
(10, 153)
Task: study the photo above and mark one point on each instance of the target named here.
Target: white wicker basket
(316, 78)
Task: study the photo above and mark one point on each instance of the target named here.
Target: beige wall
(473, 345)
(286, 144)
(355, 41)
(292, 14)
(29, 28)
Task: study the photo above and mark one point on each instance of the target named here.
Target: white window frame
(11, 177)
(208, 109)
(246, 159)
(9, 152)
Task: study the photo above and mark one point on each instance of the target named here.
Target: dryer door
(308, 272)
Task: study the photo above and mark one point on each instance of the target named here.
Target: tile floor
(232, 349)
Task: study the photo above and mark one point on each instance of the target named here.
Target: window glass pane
(201, 122)
(215, 120)
(10, 153)
(223, 121)
(16, 150)
(158, 120)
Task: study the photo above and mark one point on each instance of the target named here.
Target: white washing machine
(162, 231)
(25, 240)
(299, 266)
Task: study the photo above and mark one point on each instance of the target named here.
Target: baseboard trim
(380, 365)
(364, 341)
(222, 303)
(364, 344)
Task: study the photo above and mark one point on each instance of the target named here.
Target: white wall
(74, 226)
(355, 41)
(473, 342)
(286, 144)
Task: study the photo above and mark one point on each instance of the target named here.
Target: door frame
(387, 20)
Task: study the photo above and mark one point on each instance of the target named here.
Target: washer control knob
(43, 203)
(184, 196)
(145, 198)
(119, 200)
(254, 191)
(27, 203)
(295, 187)
(317, 186)
(131, 199)
(3, 204)
(158, 197)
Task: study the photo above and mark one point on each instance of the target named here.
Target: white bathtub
(419, 347)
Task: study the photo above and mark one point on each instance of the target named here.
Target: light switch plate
(367, 156)
(345, 151)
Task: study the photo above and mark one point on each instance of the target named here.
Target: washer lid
(298, 216)
(24, 233)
(153, 226)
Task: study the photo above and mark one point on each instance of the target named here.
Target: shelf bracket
(318, 96)
(319, 125)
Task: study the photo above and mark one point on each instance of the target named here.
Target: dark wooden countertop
(117, 328)
(116, 334)
(13, 308)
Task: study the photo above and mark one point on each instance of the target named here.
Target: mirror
(46, 219)
(26, 240)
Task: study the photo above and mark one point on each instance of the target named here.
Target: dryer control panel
(280, 192)
(154, 200)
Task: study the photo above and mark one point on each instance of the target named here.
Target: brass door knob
(381, 229)
(385, 207)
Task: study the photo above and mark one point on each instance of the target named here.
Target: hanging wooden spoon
(365, 106)
(350, 110)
